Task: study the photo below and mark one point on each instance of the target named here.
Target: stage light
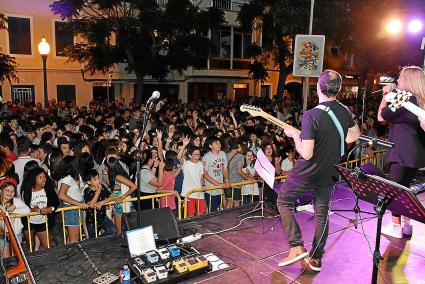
(415, 26)
(394, 26)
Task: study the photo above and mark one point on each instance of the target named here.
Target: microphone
(374, 141)
(155, 95)
(394, 86)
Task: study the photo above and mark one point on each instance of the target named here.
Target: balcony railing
(225, 5)
(234, 6)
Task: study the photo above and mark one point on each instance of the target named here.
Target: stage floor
(254, 250)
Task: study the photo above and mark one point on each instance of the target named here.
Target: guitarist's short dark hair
(330, 82)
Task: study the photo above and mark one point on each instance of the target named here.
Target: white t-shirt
(38, 199)
(21, 209)
(287, 165)
(214, 165)
(19, 170)
(74, 190)
(146, 176)
(250, 189)
(192, 173)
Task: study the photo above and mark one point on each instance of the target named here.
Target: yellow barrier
(372, 157)
(64, 209)
(376, 157)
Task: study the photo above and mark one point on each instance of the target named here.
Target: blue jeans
(215, 202)
(106, 224)
(286, 200)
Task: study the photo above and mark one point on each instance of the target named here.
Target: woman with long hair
(149, 183)
(70, 193)
(407, 156)
(38, 193)
(121, 186)
(13, 205)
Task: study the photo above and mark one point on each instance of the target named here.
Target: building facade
(224, 76)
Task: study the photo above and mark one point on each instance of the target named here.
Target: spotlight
(394, 26)
(415, 26)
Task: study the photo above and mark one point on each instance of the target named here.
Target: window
(247, 42)
(221, 43)
(237, 45)
(64, 37)
(19, 35)
(23, 94)
(66, 93)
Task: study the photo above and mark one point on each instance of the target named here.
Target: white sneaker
(407, 228)
(307, 208)
(393, 230)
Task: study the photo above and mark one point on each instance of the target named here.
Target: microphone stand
(362, 121)
(149, 106)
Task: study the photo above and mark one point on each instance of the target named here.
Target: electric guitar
(401, 98)
(21, 272)
(256, 111)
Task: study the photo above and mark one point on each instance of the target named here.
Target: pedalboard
(169, 264)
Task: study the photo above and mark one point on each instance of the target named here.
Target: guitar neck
(278, 122)
(419, 112)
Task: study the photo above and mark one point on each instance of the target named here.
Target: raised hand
(159, 134)
(186, 141)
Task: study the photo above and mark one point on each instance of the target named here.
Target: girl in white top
(38, 192)
(249, 190)
(71, 194)
(193, 172)
(13, 205)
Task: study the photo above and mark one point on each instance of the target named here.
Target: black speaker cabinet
(161, 219)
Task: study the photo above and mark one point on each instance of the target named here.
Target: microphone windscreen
(156, 95)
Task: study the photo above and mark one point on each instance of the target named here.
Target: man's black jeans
(286, 203)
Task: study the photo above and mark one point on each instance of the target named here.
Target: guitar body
(21, 272)
(401, 99)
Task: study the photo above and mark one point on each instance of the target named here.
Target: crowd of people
(86, 156)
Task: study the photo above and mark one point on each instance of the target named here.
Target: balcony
(225, 5)
(234, 6)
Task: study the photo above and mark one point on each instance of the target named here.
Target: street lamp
(44, 49)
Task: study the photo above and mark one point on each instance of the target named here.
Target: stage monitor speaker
(161, 219)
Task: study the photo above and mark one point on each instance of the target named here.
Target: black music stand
(383, 194)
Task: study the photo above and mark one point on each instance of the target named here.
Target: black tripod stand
(383, 194)
(369, 141)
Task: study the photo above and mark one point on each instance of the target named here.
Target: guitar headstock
(396, 99)
(252, 110)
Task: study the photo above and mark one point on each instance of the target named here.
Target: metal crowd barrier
(375, 157)
(62, 210)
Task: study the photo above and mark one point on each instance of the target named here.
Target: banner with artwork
(308, 55)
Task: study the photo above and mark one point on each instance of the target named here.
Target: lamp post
(44, 49)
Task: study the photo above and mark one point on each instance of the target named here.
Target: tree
(280, 21)
(152, 40)
(7, 63)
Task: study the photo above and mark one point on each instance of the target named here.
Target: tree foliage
(152, 40)
(7, 63)
(281, 20)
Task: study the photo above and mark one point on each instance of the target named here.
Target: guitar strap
(337, 124)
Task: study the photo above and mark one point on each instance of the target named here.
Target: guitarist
(407, 156)
(324, 131)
